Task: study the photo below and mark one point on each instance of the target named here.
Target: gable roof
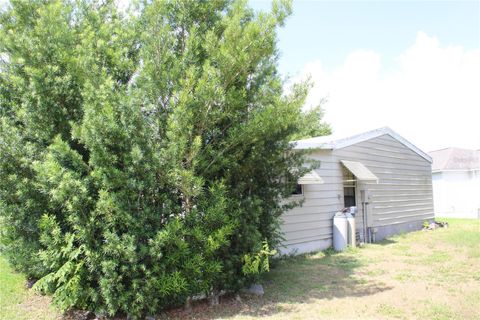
(455, 159)
(332, 142)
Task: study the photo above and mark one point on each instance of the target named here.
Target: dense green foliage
(143, 155)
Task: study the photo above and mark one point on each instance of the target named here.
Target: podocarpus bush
(143, 153)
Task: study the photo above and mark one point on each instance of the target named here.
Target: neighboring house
(456, 182)
(386, 177)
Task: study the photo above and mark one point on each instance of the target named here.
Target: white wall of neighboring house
(456, 193)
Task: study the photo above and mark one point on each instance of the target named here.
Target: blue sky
(411, 65)
(332, 29)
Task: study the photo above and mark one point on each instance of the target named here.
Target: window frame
(302, 191)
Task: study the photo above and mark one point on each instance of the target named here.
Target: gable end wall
(403, 195)
(401, 201)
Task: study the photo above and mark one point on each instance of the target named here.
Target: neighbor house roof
(332, 142)
(449, 159)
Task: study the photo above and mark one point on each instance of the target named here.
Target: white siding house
(386, 177)
(456, 182)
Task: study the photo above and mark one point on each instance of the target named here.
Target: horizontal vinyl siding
(404, 190)
(319, 209)
(404, 218)
(403, 194)
(395, 205)
(304, 239)
(393, 189)
(400, 202)
(322, 202)
(312, 221)
(304, 235)
(385, 163)
(307, 226)
(400, 154)
(305, 218)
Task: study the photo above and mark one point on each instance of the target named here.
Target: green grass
(436, 311)
(16, 302)
(11, 292)
(390, 311)
(405, 276)
(422, 275)
(437, 256)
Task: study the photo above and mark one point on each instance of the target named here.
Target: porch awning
(359, 170)
(311, 178)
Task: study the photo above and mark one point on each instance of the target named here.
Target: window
(298, 191)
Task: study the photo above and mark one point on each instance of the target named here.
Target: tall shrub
(144, 154)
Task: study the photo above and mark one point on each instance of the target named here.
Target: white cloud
(431, 94)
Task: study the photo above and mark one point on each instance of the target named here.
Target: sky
(413, 66)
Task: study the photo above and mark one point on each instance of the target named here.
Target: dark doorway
(349, 189)
(349, 197)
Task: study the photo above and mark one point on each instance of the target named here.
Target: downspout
(364, 213)
(366, 230)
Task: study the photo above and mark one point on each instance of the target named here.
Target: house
(456, 182)
(384, 176)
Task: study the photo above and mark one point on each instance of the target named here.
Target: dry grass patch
(420, 275)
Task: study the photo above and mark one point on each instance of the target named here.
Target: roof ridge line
(310, 143)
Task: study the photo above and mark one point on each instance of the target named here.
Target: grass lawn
(422, 275)
(18, 303)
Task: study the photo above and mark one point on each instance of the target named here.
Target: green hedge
(143, 153)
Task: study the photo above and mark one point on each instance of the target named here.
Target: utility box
(352, 241)
(365, 196)
(340, 231)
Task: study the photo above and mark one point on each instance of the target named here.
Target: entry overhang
(359, 170)
(311, 178)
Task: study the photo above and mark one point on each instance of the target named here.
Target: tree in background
(143, 155)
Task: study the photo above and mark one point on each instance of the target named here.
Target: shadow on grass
(295, 280)
(385, 242)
